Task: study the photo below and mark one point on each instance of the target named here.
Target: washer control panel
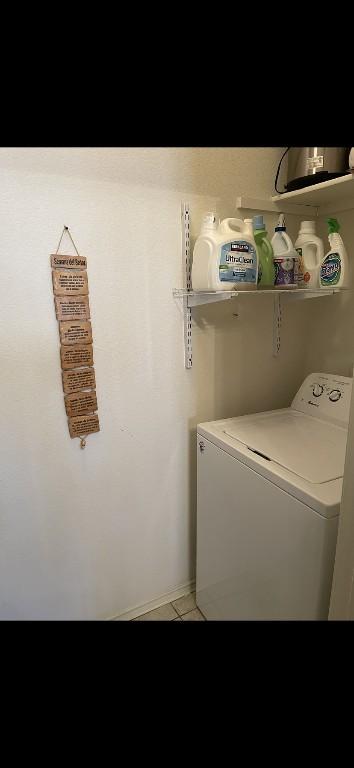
(325, 396)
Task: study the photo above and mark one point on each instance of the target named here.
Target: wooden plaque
(83, 425)
(75, 356)
(81, 378)
(59, 261)
(80, 402)
(72, 309)
(75, 333)
(69, 283)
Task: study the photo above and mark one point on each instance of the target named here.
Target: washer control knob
(317, 390)
(335, 395)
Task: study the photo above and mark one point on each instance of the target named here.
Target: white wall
(94, 533)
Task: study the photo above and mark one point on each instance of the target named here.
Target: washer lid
(310, 448)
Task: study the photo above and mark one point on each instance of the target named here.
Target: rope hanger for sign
(66, 229)
(71, 298)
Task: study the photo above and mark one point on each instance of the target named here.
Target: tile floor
(183, 609)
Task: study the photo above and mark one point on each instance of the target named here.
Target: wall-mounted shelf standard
(316, 200)
(192, 298)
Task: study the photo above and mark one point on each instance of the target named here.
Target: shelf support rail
(277, 319)
(186, 256)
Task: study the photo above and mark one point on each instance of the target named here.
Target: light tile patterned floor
(183, 609)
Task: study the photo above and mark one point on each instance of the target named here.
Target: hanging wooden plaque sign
(81, 378)
(83, 425)
(72, 309)
(59, 261)
(80, 402)
(75, 333)
(73, 357)
(70, 287)
(69, 283)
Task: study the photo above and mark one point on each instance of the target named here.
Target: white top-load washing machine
(269, 491)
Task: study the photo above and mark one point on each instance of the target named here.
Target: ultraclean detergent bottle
(225, 256)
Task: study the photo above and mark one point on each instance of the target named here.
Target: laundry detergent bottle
(266, 270)
(225, 256)
(310, 255)
(335, 267)
(285, 256)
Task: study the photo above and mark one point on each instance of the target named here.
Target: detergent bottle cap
(258, 222)
(210, 221)
(333, 226)
(248, 226)
(308, 228)
(281, 224)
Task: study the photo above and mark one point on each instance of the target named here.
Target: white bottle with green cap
(334, 271)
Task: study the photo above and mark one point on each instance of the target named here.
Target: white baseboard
(133, 613)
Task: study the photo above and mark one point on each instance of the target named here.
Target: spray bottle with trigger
(334, 270)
